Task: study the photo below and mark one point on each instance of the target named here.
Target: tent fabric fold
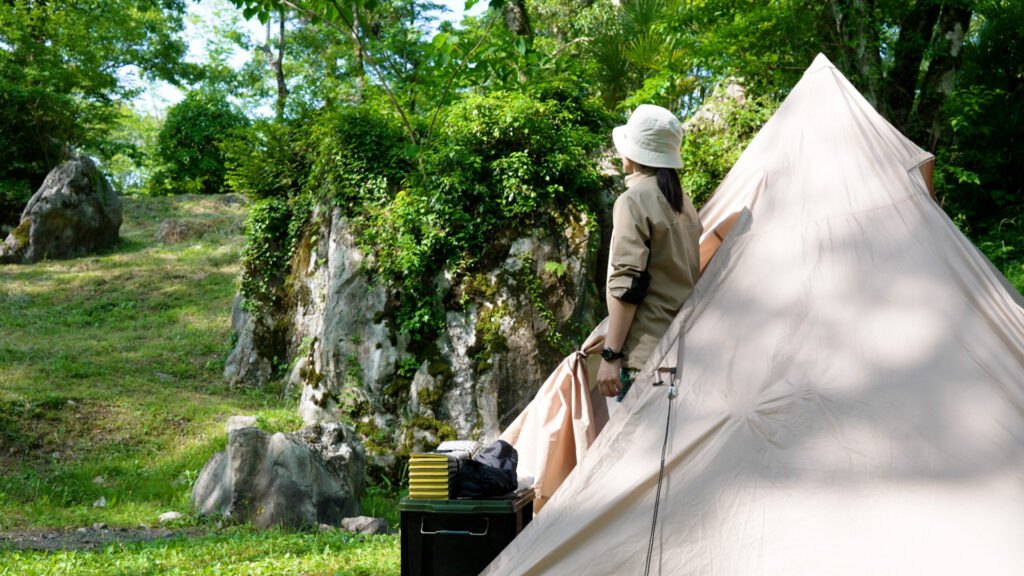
(557, 427)
(851, 382)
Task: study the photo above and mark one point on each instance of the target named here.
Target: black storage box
(459, 537)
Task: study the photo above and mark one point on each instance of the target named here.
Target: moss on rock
(440, 429)
(490, 339)
(21, 233)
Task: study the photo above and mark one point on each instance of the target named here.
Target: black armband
(637, 291)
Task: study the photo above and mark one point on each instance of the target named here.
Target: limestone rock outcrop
(506, 326)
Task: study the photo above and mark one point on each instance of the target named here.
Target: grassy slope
(110, 386)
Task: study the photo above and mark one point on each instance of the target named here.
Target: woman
(654, 259)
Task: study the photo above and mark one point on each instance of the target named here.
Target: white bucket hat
(652, 136)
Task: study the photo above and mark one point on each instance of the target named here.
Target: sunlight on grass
(114, 362)
(111, 387)
(236, 551)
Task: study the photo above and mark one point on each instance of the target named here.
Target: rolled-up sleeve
(628, 278)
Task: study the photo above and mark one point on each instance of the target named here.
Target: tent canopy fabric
(851, 378)
(557, 427)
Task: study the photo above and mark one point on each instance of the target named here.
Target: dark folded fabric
(490, 473)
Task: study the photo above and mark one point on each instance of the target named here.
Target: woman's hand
(608, 378)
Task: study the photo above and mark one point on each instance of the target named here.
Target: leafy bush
(190, 150)
(270, 162)
(357, 156)
(14, 195)
(711, 147)
(501, 164)
(1003, 244)
(272, 230)
(979, 170)
(126, 157)
(28, 153)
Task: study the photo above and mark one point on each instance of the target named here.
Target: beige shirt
(654, 261)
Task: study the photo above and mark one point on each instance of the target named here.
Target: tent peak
(820, 61)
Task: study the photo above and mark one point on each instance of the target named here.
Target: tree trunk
(359, 56)
(901, 85)
(940, 79)
(858, 35)
(277, 65)
(282, 88)
(517, 20)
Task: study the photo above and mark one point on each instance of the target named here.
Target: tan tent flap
(852, 386)
(561, 422)
(710, 243)
(927, 171)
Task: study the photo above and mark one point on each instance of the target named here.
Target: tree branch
(568, 44)
(447, 87)
(350, 32)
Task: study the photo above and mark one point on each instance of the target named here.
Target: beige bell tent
(850, 377)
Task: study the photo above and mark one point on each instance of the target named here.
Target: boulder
(238, 422)
(74, 212)
(300, 480)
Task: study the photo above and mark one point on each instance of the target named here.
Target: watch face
(609, 354)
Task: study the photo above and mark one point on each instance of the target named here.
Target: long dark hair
(668, 181)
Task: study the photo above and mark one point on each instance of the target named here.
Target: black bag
(491, 473)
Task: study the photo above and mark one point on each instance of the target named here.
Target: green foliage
(500, 164)
(981, 169)
(59, 74)
(1004, 246)
(634, 43)
(489, 338)
(534, 289)
(14, 195)
(712, 145)
(127, 156)
(318, 68)
(272, 227)
(357, 156)
(190, 145)
(270, 161)
(769, 45)
(556, 268)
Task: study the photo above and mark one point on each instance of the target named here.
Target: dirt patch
(92, 538)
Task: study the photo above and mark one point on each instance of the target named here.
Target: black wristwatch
(609, 354)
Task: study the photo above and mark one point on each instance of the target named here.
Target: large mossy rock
(299, 480)
(75, 212)
(506, 327)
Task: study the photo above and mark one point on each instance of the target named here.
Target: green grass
(111, 386)
(237, 550)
